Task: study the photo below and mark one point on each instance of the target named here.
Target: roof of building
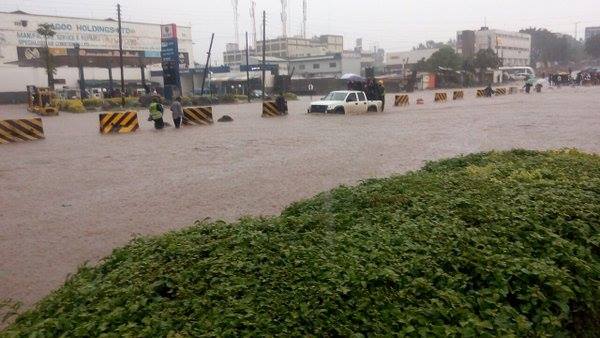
(409, 57)
(19, 12)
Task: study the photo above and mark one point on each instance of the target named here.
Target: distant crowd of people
(374, 90)
(583, 78)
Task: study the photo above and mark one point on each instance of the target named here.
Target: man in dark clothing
(488, 91)
(381, 94)
(281, 103)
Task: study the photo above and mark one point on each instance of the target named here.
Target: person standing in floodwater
(156, 113)
(177, 110)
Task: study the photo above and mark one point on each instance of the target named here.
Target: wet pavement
(76, 195)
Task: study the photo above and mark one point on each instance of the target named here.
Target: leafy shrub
(186, 101)
(290, 96)
(227, 99)
(202, 101)
(497, 244)
(72, 106)
(92, 103)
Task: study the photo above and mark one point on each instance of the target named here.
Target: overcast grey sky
(391, 24)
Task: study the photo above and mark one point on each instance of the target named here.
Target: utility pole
(80, 68)
(264, 54)
(247, 70)
(121, 56)
(212, 38)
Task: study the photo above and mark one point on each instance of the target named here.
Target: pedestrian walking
(381, 92)
(177, 110)
(156, 113)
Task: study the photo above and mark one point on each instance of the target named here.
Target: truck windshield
(336, 96)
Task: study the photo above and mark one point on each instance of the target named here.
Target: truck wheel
(339, 110)
(372, 109)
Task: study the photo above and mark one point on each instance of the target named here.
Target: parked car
(345, 102)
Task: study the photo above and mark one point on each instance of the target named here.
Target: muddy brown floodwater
(76, 195)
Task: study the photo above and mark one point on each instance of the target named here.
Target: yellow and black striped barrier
(480, 92)
(200, 116)
(401, 100)
(270, 109)
(458, 95)
(441, 97)
(21, 130)
(120, 123)
(501, 91)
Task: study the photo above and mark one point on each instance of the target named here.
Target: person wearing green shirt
(156, 113)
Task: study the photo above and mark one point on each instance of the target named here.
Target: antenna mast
(253, 17)
(284, 5)
(236, 20)
(304, 17)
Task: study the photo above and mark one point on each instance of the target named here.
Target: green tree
(487, 58)
(446, 57)
(592, 46)
(47, 32)
(548, 47)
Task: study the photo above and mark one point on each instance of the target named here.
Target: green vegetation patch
(496, 244)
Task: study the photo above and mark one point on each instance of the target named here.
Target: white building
(288, 48)
(591, 31)
(327, 66)
(21, 63)
(396, 62)
(513, 48)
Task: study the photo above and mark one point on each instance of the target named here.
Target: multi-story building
(591, 31)
(289, 48)
(513, 48)
(327, 66)
(398, 62)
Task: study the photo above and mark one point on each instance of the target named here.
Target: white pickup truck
(345, 102)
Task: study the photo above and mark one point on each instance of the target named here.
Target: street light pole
(80, 69)
(121, 56)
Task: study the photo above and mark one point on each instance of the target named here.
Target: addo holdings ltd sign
(20, 30)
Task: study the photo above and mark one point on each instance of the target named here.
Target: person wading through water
(156, 113)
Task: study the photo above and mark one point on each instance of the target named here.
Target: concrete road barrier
(200, 116)
(270, 109)
(21, 130)
(501, 91)
(119, 123)
(401, 100)
(441, 97)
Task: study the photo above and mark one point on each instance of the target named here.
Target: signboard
(171, 59)
(20, 31)
(256, 68)
(168, 31)
(169, 50)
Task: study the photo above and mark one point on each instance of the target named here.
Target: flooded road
(77, 195)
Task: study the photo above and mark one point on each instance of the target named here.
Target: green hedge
(496, 244)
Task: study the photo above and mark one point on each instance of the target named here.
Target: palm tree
(47, 31)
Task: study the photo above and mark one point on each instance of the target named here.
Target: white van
(517, 73)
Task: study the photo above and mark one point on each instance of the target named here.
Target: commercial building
(513, 48)
(326, 66)
(399, 62)
(591, 31)
(287, 48)
(93, 44)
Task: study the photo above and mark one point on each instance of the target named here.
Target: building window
(332, 65)
(316, 66)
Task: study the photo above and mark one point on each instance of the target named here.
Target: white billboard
(19, 30)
